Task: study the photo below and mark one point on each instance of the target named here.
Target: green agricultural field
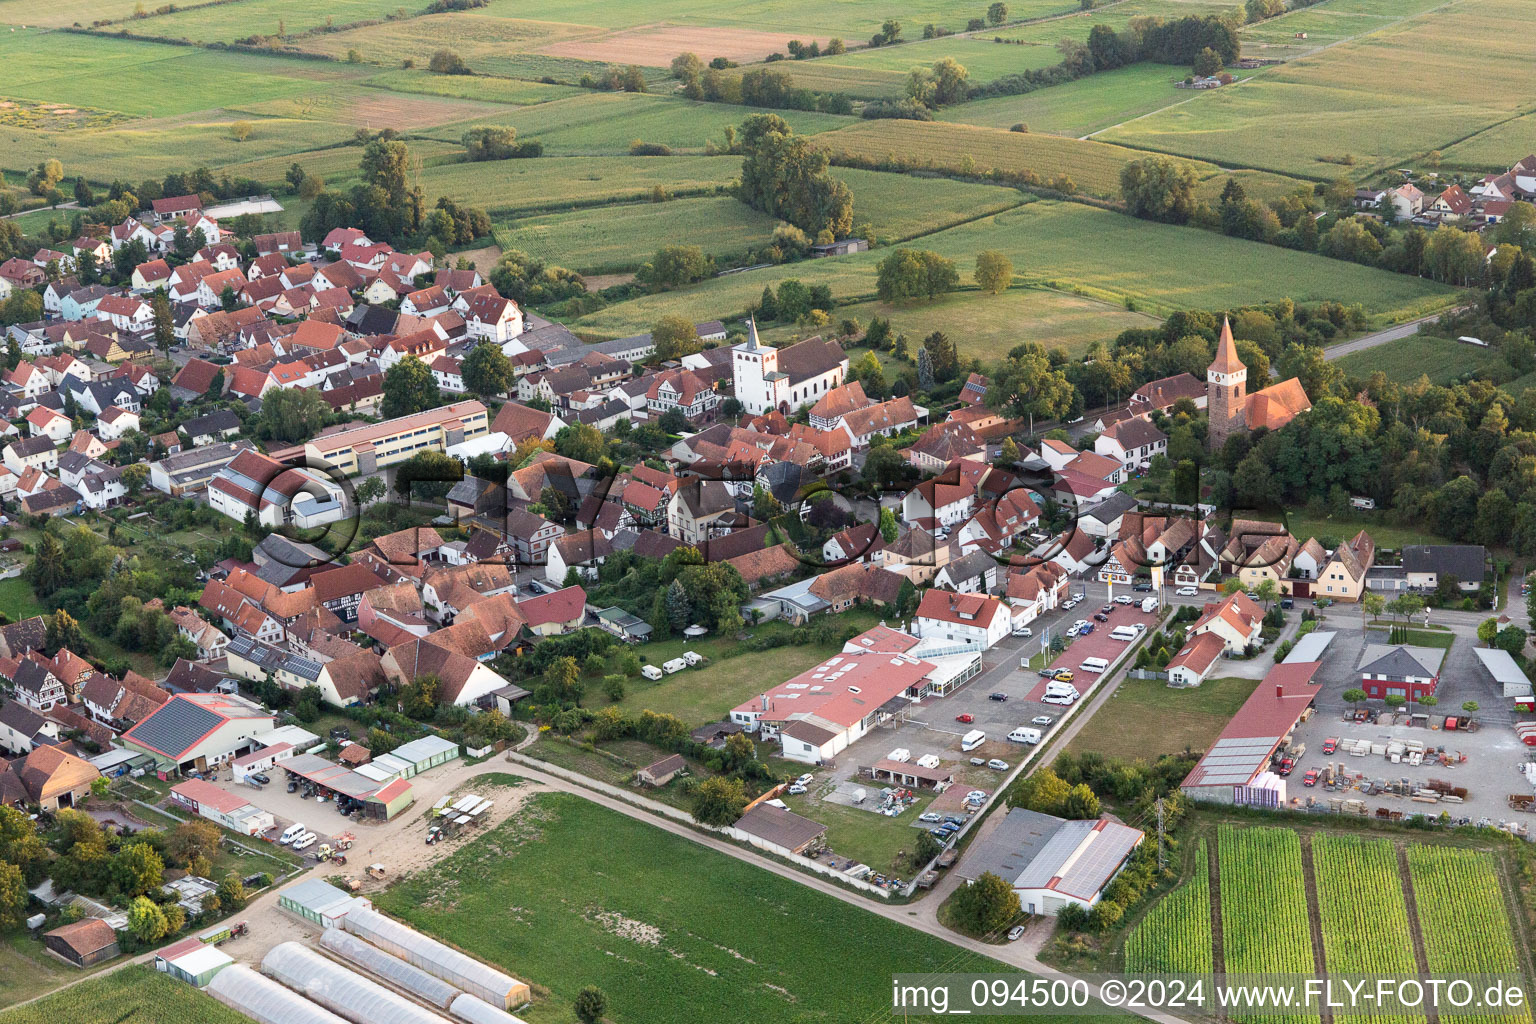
(472, 87)
(1074, 247)
(1093, 167)
(607, 239)
(63, 13)
(226, 23)
(338, 164)
(902, 206)
(1365, 919)
(570, 894)
(1375, 101)
(549, 183)
(1407, 359)
(489, 44)
(1146, 718)
(1495, 149)
(136, 994)
(606, 123)
(1077, 108)
(357, 106)
(1175, 935)
(156, 147)
(1264, 927)
(1459, 894)
(17, 601)
(152, 79)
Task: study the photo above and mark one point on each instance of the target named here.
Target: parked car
(1125, 599)
(1042, 720)
(1063, 676)
(966, 718)
(1015, 933)
(1074, 630)
(954, 819)
(930, 817)
(998, 695)
(1107, 609)
(804, 780)
(1100, 617)
(1024, 631)
(1330, 744)
(1086, 628)
(1186, 592)
(1080, 623)
(1047, 673)
(1286, 602)
(1309, 779)
(1142, 587)
(976, 794)
(997, 765)
(259, 777)
(796, 790)
(1287, 765)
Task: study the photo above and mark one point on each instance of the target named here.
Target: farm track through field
(1218, 947)
(1415, 929)
(1314, 917)
(1517, 918)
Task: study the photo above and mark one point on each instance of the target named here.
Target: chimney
(1279, 690)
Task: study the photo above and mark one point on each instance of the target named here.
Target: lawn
(1494, 149)
(1079, 248)
(1377, 100)
(606, 123)
(570, 894)
(902, 206)
(862, 835)
(27, 970)
(135, 994)
(17, 601)
(608, 239)
(1145, 718)
(552, 183)
(1407, 359)
(1343, 527)
(730, 676)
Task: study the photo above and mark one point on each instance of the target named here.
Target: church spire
(752, 342)
(1226, 360)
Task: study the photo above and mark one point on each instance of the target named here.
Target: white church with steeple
(786, 379)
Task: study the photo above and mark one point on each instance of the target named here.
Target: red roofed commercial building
(972, 619)
(820, 712)
(222, 807)
(1235, 770)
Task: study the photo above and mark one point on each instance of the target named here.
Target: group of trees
(915, 273)
(793, 302)
(498, 142)
(785, 176)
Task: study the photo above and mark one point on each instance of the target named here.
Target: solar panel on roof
(175, 727)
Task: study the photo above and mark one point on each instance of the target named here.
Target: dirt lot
(656, 45)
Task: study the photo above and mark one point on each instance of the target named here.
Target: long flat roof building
(373, 446)
(1235, 770)
(1051, 861)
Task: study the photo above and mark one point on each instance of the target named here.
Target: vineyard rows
(1175, 936)
(1264, 928)
(1364, 914)
(1462, 914)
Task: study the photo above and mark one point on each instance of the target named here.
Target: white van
(650, 672)
(1125, 634)
(291, 833)
(1063, 699)
(305, 841)
(675, 665)
(1024, 734)
(973, 739)
(1094, 665)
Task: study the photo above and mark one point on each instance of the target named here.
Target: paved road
(1382, 337)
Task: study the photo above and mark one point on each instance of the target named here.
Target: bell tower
(1226, 390)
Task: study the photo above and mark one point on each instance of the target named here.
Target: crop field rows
(1361, 913)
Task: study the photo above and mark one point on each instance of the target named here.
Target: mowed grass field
(513, 91)
(568, 894)
(1145, 718)
(608, 239)
(225, 23)
(606, 123)
(550, 182)
(137, 994)
(1077, 108)
(63, 13)
(1074, 247)
(1496, 148)
(1378, 100)
(901, 206)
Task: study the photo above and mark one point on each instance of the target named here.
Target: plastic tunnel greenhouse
(438, 960)
(341, 989)
(391, 968)
(264, 1000)
(475, 1010)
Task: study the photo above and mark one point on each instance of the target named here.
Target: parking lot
(320, 818)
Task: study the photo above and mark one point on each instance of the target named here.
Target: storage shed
(264, 1000)
(477, 1011)
(341, 989)
(83, 943)
(192, 961)
(427, 752)
(389, 801)
(436, 959)
(319, 902)
(391, 968)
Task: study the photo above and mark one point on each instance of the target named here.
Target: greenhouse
(341, 989)
(436, 959)
(391, 968)
(264, 1000)
(475, 1010)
